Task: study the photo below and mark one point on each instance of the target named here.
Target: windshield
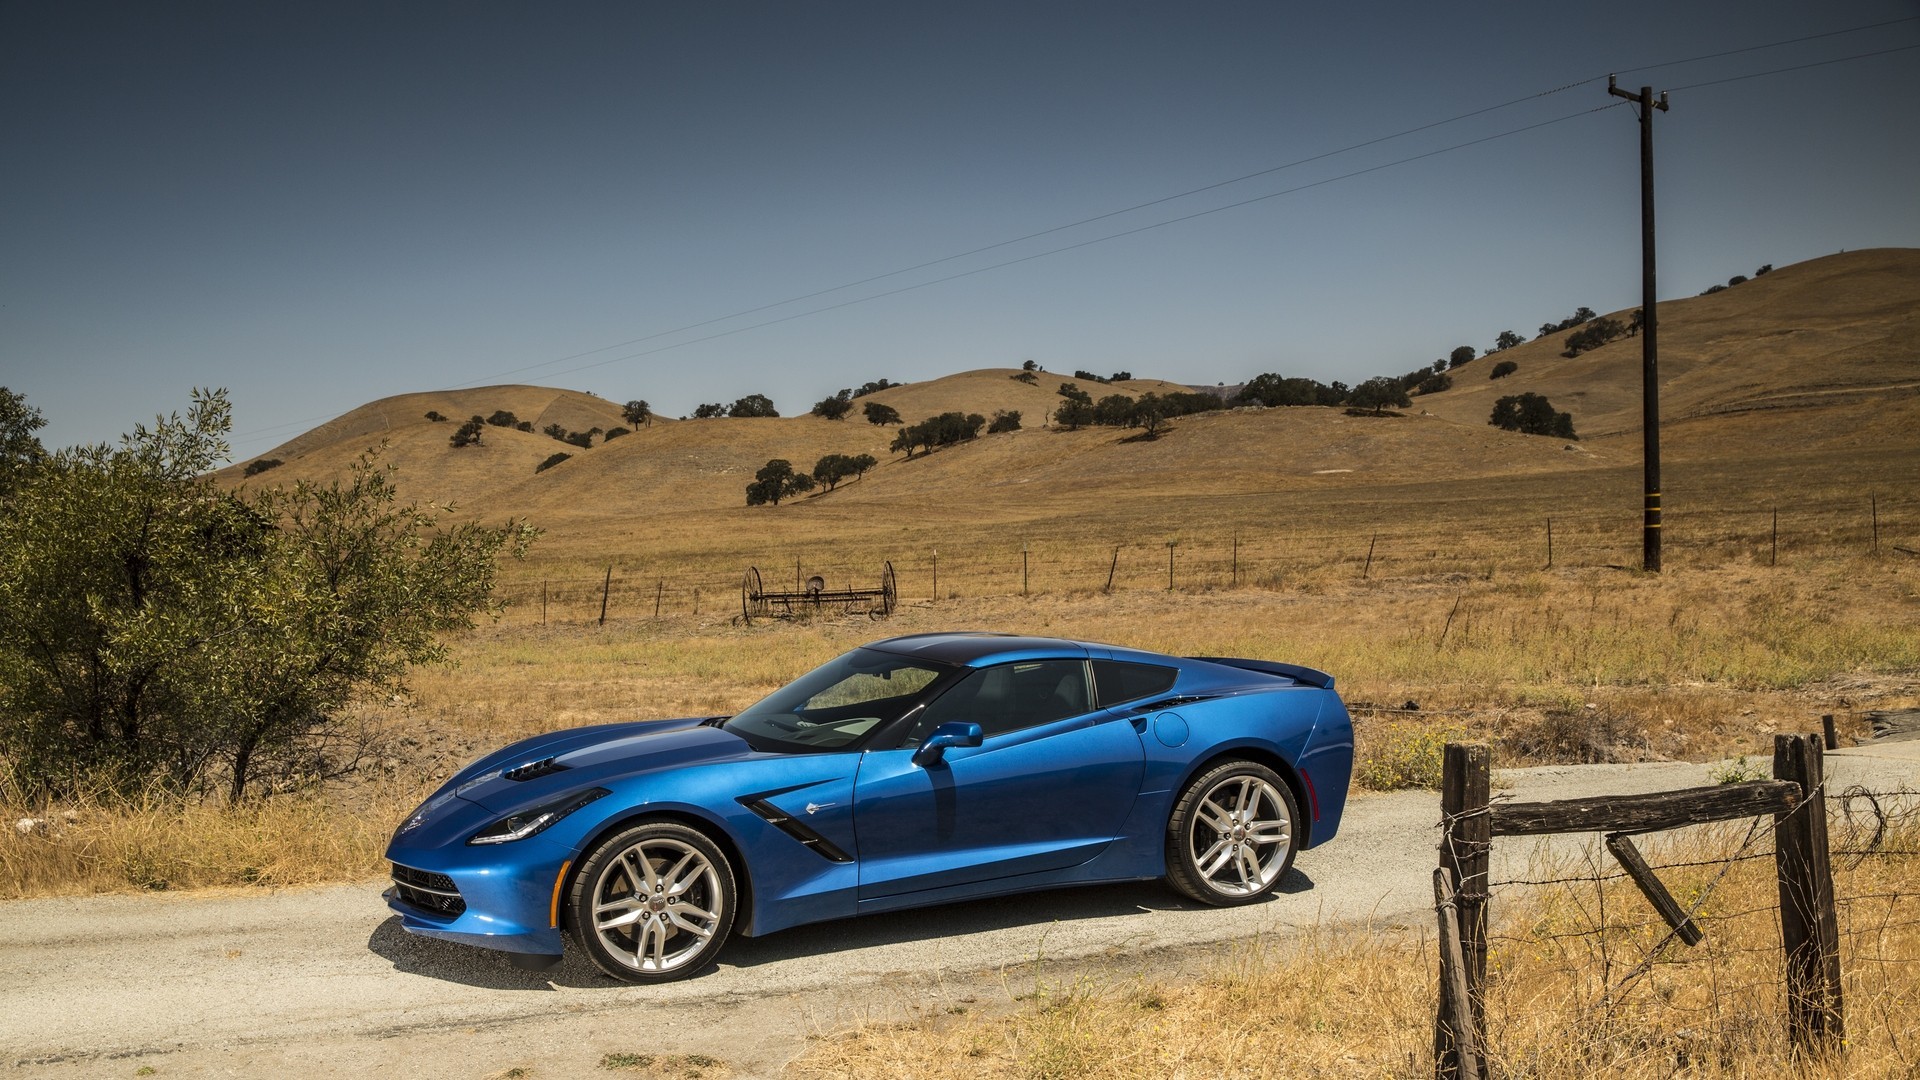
(838, 703)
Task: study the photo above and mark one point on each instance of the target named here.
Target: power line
(1772, 45)
(1796, 67)
(1043, 232)
(1089, 243)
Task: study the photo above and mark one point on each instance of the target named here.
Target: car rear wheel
(1232, 834)
(654, 903)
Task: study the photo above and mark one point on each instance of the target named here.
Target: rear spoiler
(1306, 676)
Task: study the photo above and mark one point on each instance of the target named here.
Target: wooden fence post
(1465, 843)
(1454, 1026)
(1809, 924)
(605, 588)
(1368, 569)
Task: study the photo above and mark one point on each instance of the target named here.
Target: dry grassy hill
(1810, 370)
(1823, 354)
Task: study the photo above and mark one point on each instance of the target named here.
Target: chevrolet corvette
(917, 770)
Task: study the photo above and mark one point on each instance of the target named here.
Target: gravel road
(323, 981)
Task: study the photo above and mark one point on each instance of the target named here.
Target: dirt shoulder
(324, 981)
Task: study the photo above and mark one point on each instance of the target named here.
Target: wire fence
(981, 563)
(1581, 968)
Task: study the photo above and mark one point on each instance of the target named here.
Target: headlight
(528, 822)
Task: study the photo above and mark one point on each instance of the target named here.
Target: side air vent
(1165, 703)
(533, 770)
(783, 821)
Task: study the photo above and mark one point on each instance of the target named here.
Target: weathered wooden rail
(1809, 923)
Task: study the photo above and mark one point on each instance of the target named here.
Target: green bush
(1403, 756)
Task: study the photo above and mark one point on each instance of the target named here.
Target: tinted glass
(1116, 681)
(1008, 697)
(837, 703)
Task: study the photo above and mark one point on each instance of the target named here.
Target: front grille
(428, 891)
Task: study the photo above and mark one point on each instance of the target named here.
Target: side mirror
(934, 750)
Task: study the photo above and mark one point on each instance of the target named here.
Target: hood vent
(533, 770)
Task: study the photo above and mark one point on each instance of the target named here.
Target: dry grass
(163, 842)
(1563, 1000)
(1589, 665)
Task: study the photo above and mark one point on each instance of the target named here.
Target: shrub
(775, 481)
(1379, 393)
(160, 630)
(1711, 289)
(551, 461)
(1763, 271)
(943, 430)
(874, 387)
(709, 412)
(1460, 356)
(436, 417)
(469, 433)
(1503, 369)
(753, 405)
(1089, 376)
(832, 408)
(880, 415)
(1027, 377)
(1120, 376)
(615, 433)
(1074, 414)
(1531, 414)
(1433, 384)
(1403, 756)
(503, 418)
(1593, 335)
(1273, 390)
(524, 425)
(581, 439)
(255, 468)
(1507, 340)
(1072, 392)
(833, 468)
(1580, 315)
(1737, 279)
(1004, 420)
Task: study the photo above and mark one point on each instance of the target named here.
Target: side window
(1008, 697)
(1116, 682)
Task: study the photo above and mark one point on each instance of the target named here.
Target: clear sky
(319, 204)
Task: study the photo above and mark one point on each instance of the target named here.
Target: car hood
(567, 760)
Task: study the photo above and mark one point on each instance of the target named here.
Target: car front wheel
(654, 903)
(1232, 834)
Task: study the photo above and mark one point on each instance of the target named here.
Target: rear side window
(1116, 682)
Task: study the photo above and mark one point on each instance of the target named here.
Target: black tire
(1232, 834)
(653, 903)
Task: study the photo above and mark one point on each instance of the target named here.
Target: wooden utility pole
(1649, 329)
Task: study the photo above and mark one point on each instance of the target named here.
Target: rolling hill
(1819, 358)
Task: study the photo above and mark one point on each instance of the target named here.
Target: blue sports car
(917, 770)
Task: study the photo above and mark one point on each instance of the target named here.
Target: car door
(1048, 788)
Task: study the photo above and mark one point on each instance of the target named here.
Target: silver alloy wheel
(658, 905)
(1241, 835)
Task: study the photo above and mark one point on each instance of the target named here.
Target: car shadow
(452, 962)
